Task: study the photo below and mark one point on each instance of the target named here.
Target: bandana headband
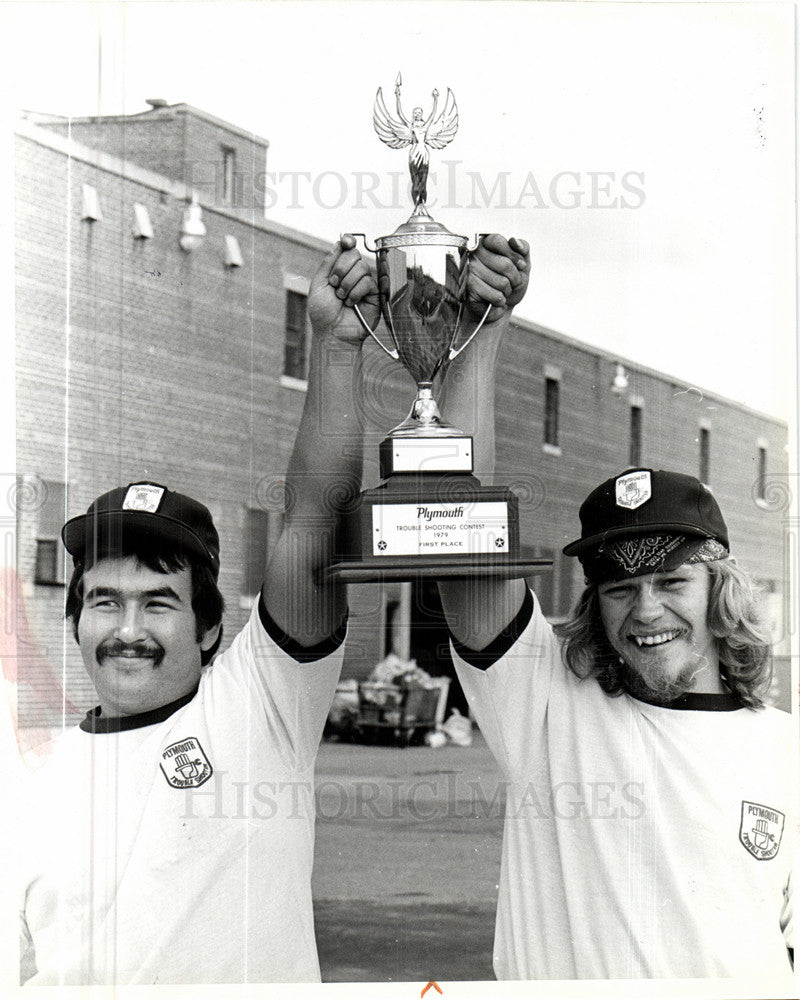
(641, 555)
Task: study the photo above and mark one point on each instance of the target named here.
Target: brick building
(161, 334)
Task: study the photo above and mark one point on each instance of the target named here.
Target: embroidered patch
(761, 830)
(185, 764)
(635, 554)
(633, 490)
(143, 496)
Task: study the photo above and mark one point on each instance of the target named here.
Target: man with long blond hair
(679, 526)
(649, 829)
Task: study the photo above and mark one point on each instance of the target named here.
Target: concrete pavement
(407, 862)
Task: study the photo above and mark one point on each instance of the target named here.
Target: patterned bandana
(710, 551)
(641, 555)
(646, 552)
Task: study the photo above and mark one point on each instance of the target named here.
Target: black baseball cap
(669, 506)
(148, 509)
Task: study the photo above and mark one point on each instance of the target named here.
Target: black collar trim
(97, 723)
(694, 701)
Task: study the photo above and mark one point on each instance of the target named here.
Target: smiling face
(658, 625)
(138, 635)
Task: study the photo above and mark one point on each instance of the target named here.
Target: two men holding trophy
(651, 692)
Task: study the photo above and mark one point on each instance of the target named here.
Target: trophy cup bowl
(422, 282)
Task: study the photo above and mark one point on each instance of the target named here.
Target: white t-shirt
(639, 841)
(180, 850)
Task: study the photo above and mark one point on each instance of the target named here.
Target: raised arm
(478, 609)
(325, 467)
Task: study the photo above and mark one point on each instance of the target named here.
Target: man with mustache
(171, 833)
(648, 827)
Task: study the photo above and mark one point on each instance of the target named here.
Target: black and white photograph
(399, 498)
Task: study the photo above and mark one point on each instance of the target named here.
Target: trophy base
(429, 525)
(349, 571)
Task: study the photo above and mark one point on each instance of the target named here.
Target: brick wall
(181, 143)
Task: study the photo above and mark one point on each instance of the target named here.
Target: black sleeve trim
(290, 646)
(500, 645)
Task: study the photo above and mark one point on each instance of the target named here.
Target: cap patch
(143, 496)
(634, 489)
(636, 554)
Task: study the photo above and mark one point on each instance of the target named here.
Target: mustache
(113, 647)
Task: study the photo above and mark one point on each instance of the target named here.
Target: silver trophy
(422, 271)
(430, 516)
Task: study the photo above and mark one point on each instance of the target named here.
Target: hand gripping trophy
(430, 516)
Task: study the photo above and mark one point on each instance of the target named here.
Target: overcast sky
(644, 150)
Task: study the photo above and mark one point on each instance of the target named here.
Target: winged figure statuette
(420, 134)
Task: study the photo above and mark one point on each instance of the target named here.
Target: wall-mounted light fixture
(192, 228)
(90, 204)
(233, 253)
(142, 226)
(620, 383)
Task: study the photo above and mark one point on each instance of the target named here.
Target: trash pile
(458, 729)
(398, 693)
(392, 670)
(343, 712)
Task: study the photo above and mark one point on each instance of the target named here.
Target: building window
(295, 354)
(554, 588)
(228, 175)
(635, 441)
(256, 546)
(50, 566)
(761, 478)
(262, 529)
(389, 621)
(544, 585)
(47, 562)
(551, 394)
(566, 575)
(705, 455)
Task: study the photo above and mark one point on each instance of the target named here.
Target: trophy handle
(455, 351)
(393, 354)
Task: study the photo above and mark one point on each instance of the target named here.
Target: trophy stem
(424, 419)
